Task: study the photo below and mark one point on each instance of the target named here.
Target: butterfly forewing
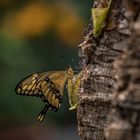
(47, 85)
(29, 86)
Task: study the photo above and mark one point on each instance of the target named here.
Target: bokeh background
(33, 35)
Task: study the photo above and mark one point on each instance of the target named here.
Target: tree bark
(98, 82)
(126, 100)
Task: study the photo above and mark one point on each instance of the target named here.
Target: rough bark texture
(126, 100)
(98, 81)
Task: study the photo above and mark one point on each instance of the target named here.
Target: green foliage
(99, 16)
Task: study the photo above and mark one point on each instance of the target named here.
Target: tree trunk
(98, 82)
(126, 99)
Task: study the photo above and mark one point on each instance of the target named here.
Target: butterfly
(49, 86)
(73, 87)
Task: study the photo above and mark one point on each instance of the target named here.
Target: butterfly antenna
(73, 62)
(42, 114)
(76, 68)
(64, 61)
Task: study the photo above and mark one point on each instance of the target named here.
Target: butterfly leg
(73, 107)
(42, 114)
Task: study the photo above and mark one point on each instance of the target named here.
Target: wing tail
(42, 114)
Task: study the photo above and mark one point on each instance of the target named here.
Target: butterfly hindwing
(51, 95)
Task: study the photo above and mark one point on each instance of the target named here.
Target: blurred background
(33, 35)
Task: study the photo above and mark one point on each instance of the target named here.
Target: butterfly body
(49, 86)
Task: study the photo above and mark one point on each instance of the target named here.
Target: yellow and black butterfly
(73, 85)
(49, 86)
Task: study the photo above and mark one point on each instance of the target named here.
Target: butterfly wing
(30, 86)
(53, 89)
(47, 85)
